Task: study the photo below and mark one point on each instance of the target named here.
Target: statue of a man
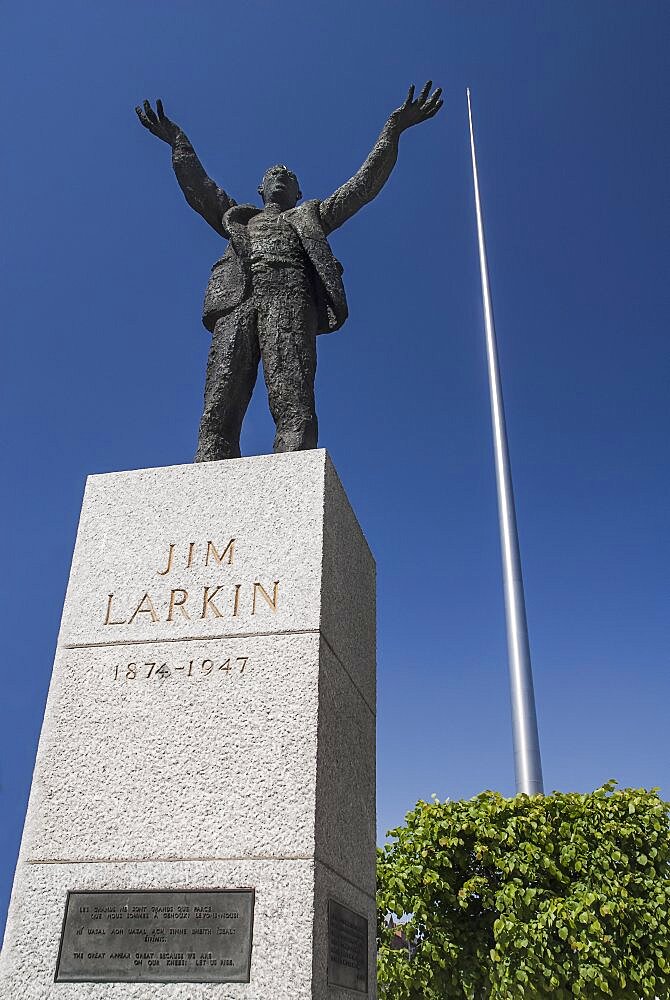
(277, 285)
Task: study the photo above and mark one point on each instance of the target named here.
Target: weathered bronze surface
(197, 936)
(347, 948)
(278, 285)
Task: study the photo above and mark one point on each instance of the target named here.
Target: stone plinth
(210, 721)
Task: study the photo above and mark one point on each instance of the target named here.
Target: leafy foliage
(558, 896)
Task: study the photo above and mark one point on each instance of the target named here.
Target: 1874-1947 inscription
(197, 936)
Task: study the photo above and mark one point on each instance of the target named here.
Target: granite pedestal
(210, 725)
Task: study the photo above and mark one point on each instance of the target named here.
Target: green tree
(558, 896)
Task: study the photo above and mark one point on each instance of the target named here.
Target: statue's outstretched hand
(413, 111)
(157, 122)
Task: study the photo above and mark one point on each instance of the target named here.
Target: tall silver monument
(527, 763)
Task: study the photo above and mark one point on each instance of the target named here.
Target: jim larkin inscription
(180, 603)
(278, 284)
(201, 936)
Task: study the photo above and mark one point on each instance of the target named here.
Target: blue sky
(103, 271)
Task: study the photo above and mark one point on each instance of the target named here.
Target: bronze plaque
(347, 948)
(194, 936)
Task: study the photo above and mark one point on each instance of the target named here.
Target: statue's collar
(239, 215)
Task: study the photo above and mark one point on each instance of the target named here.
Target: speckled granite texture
(210, 721)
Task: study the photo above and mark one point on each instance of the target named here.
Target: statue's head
(280, 186)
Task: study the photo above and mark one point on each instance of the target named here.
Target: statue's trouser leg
(232, 367)
(287, 335)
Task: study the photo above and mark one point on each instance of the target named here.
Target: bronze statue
(278, 284)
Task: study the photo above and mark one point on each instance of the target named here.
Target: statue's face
(280, 186)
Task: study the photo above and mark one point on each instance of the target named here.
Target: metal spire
(527, 763)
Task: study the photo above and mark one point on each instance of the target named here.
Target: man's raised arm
(370, 179)
(200, 191)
